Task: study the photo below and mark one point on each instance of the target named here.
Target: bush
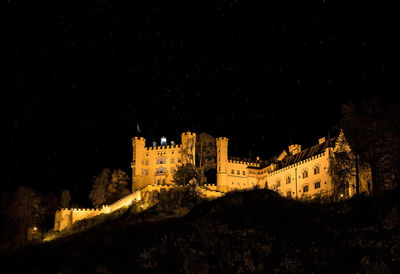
(184, 196)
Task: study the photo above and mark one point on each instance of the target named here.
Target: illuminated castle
(294, 173)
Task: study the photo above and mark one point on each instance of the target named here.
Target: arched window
(288, 180)
(305, 188)
(278, 183)
(316, 169)
(317, 185)
(289, 194)
(305, 173)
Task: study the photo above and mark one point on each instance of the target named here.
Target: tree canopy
(109, 187)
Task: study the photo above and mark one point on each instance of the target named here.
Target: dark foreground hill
(254, 231)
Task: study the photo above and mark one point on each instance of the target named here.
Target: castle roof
(298, 157)
(307, 153)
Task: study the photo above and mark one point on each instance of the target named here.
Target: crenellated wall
(67, 216)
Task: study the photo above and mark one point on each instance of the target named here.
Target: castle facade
(294, 173)
(156, 165)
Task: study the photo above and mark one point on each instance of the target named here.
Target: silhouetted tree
(372, 130)
(50, 203)
(109, 187)
(99, 194)
(206, 155)
(119, 185)
(65, 199)
(23, 214)
(184, 174)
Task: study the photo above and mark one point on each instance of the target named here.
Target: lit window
(305, 188)
(161, 161)
(317, 185)
(316, 169)
(232, 171)
(305, 174)
(238, 172)
(288, 180)
(172, 160)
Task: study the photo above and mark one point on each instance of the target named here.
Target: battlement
(188, 133)
(79, 209)
(138, 138)
(222, 138)
(244, 163)
(163, 147)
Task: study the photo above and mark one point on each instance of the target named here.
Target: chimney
(293, 149)
(321, 140)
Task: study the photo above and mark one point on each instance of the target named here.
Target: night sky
(263, 75)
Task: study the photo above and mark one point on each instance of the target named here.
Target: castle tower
(188, 148)
(137, 162)
(222, 161)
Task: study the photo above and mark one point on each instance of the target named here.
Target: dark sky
(261, 74)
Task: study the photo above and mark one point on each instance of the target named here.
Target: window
(316, 169)
(278, 183)
(160, 170)
(289, 194)
(161, 161)
(219, 168)
(305, 188)
(158, 181)
(288, 180)
(317, 185)
(172, 170)
(163, 181)
(146, 162)
(305, 174)
(172, 160)
(146, 172)
(232, 171)
(244, 172)
(238, 172)
(179, 160)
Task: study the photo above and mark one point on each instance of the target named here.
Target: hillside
(254, 231)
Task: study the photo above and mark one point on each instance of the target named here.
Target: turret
(188, 147)
(222, 160)
(293, 149)
(138, 145)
